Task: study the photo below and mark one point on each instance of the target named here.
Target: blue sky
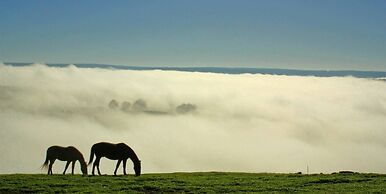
(296, 34)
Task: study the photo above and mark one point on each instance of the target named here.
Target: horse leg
(124, 166)
(50, 166)
(116, 168)
(73, 166)
(99, 171)
(65, 169)
(93, 169)
(96, 163)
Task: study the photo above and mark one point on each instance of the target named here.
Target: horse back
(110, 150)
(69, 153)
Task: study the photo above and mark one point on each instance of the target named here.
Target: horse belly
(112, 157)
(65, 157)
(61, 158)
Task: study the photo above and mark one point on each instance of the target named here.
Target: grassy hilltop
(208, 182)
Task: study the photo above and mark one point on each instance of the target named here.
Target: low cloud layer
(247, 122)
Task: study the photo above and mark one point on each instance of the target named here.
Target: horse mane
(82, 160)
(132, 155)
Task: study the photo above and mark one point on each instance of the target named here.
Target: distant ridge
(233, 70)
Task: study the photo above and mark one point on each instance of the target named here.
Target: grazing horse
(120, 152)
(69, 154)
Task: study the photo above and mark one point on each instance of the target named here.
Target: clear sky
(300, 34)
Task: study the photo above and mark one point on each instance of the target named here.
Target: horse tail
(91, 155)
(45, 164)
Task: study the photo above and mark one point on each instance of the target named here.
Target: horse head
(137, 168)
(83, 167)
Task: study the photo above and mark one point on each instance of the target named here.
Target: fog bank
(193, 121)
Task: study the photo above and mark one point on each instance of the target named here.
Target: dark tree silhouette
(139, 105)
(185, 108)
(125, 106)
(113, 104)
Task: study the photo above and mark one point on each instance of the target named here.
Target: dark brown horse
(120, 152)
(69, 154)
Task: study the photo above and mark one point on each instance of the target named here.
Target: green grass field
(208, 182)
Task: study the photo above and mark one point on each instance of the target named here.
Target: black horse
(120, 152)
(69, 154)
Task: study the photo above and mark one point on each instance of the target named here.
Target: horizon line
(189, 67)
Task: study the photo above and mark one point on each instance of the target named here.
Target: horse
(120, 152)
(69, 154)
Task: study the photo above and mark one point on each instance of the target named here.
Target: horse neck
(133, 157)
(82, 161)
